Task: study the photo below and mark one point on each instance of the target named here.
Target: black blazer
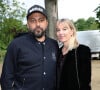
(75, 73)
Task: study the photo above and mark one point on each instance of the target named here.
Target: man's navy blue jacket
(29, 64)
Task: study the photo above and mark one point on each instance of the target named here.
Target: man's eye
(32, 20)
(41, 20)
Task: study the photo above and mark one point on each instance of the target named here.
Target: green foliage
(11, 10)
(9, 29)
(97, 11)
(89, 24)
(2, 54)
(11, 17)
(80, 24)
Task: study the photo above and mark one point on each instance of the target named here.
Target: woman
(74, 63)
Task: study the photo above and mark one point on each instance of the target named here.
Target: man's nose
(38, 23)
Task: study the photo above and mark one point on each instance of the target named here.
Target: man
(30, 61)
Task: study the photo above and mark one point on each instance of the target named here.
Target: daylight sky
(72, 9)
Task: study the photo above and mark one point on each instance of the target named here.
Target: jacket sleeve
(9, 66)
(85, 69)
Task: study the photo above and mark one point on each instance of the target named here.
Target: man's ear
(27, 25)
(47, 23)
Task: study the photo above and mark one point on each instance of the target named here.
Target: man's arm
(8, 70)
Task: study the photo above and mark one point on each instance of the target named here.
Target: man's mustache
(38, 27)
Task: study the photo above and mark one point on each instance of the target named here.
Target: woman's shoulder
(83, 47)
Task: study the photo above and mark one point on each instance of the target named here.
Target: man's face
(37, 24)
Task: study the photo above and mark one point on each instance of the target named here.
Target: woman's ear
(72, 32)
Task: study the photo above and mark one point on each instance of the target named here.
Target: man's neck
(41, 39)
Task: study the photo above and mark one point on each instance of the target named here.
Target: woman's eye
(65, 29)
(57, 30)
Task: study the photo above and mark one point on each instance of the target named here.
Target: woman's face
(63, 32)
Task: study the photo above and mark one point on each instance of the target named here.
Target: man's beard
(38, 32)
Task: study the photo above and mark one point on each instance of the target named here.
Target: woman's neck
(64, 50)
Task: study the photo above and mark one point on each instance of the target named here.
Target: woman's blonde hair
(73, 43)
